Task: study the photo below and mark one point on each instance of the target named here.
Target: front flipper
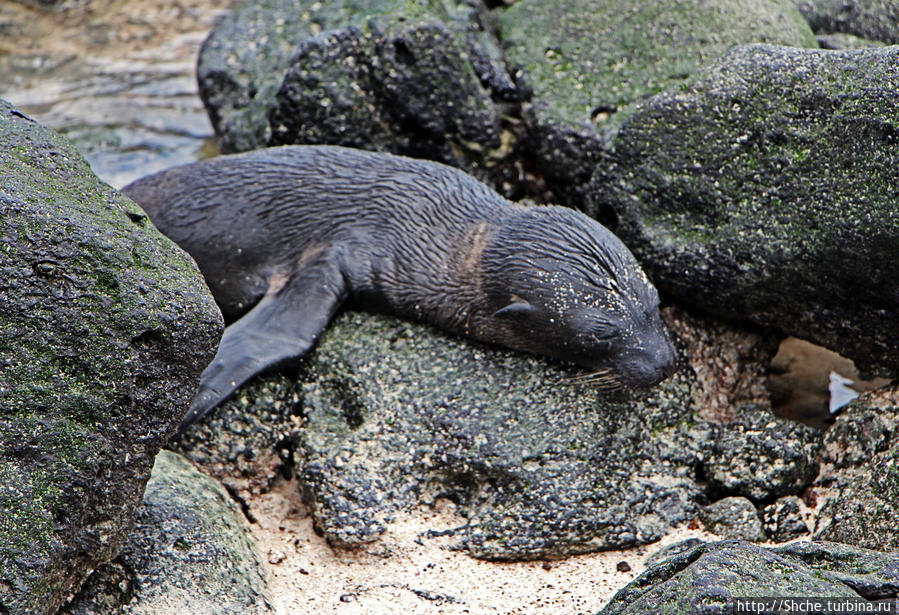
(284, 325)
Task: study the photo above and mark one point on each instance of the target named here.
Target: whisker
(603, 379)
(603, 373)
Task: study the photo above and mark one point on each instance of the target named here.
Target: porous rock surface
(396, 414)
(858, 489)
(585, 63)
(869, 19)
(189, 553)
(707, 579)
(414, 78)
(733, 518)
(105, 326)
(766, 190)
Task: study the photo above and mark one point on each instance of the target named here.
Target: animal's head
(563, 285)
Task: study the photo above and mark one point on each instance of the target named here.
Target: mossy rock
(869, 19)
(766, 190)
(105, 326)
(707, 579)
(586, 63)
(190, 552)
(414, 78)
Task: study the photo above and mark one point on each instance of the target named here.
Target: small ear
(518, 308)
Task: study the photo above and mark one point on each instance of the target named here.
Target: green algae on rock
(105, 326)
(766, 190)
(707, 579)
(189, 553)
(587, 62)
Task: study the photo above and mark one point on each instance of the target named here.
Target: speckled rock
(395, 414)
(760, 456)
(586, 62)
(858, 488)
(783, 519)
(189, 553)
(105, 326)
(765, 190)
(707, 579)
(250, 439)
(673, 550)
(414, 78)
(872, 19)
(733, 518)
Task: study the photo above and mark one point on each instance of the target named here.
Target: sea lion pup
(285, 236)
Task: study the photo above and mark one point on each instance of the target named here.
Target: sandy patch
(407, 571)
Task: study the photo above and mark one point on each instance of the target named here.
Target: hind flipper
(284, 325)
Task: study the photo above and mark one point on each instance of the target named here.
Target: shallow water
(116, 77)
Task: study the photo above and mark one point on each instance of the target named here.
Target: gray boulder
(858, 489)
(190, 552)
(397, 414)
(783, 519)
(585, 63)
(105, 326)
(412, 78)
(870, 19)
(765, 190)
(707, 579)
(733, 518)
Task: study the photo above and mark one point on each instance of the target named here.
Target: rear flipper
(284, 325)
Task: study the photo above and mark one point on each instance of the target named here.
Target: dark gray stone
(858, 489)
(765, 190)
(783, 519)
(105, 326)
(586, 62)
(395, 414)
(760, 456)
(666, 553)
(707, 579)
(872, 19)
(733, 518)
(189, 553)
(415, 78)
(249, 440)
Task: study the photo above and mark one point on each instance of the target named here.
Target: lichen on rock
(105, 326)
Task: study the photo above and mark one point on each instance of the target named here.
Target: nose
(666, 365)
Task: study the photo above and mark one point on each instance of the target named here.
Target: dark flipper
(284, 325)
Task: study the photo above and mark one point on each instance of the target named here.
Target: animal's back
(249, 215)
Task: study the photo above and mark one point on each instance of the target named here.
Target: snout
(648, 366)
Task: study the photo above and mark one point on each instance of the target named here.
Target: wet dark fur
(285, 236)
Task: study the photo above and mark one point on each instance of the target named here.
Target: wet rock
(410, 78)
(733, 518)
(845, 41)
(760, 456)
(585, 63)
(671, 551)
(783, 519)
(707, 579)
(859, 484)
(871, 19)
(395, 414)
(765, 191)
(105, 326)
(250, 439)
(189, 553)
